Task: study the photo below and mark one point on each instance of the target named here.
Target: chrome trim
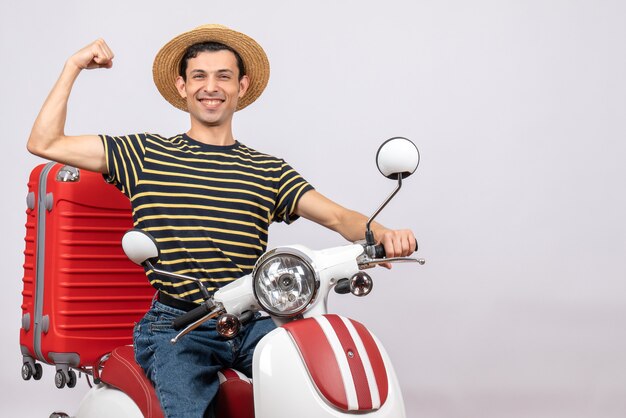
(305, 259)
(366, 287)
(214, 313)
(382, 206)
(182, 277)
(365, 262)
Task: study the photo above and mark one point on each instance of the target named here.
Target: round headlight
(284, 282)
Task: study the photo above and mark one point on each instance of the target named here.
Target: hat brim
(167, 61)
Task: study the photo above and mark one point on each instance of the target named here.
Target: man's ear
(244, 83)
(180, 86)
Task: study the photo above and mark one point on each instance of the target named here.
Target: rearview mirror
(139, 246)
(397, 157)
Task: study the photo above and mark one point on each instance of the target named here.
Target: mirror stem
(203, 290)
(369, 235)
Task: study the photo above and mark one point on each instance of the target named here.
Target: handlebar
(375, 254)
(197, 316)
(191, 316)
(379, 250)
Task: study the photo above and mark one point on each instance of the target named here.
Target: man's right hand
(47, 138)
(95, 55)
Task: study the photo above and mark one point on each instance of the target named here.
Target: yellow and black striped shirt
(208, 207)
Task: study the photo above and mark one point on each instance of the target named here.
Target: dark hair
(195, 49)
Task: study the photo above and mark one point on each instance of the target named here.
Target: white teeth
(211, 102)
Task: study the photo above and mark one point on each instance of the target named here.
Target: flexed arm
(47, 138)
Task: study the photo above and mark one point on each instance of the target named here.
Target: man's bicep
(84, 151)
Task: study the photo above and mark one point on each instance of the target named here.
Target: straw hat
(167, 62)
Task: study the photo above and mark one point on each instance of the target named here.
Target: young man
(206, 198)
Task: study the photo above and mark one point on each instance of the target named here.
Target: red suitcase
(81, 294)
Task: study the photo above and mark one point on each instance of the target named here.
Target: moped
(314, 364)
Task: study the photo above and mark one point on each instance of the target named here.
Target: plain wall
(518, 110)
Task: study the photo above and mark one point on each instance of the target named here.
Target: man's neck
(212, 135)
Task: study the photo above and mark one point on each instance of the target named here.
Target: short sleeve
(124, 160)
(291, 188)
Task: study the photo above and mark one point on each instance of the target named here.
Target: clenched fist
(95, 55)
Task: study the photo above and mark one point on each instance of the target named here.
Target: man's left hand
(397, 243)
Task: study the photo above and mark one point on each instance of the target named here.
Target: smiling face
(212, 87)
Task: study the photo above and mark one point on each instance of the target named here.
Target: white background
(518, 110)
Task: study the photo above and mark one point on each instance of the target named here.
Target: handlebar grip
(379, 250)
(246, 317)
(190, 317)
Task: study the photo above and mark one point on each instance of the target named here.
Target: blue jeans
(185, 374)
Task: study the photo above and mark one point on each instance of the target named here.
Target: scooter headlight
(285, 282)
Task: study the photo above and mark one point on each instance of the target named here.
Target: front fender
(326, 366)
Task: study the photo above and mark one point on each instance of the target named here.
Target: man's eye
(198, 77)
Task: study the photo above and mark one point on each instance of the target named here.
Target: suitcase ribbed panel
(90, 293)
(98, 294)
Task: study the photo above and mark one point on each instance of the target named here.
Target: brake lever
(214, 313)
(366, 262)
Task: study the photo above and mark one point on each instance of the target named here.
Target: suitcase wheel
(71, 382)
(38, 371)
(62, 378)
(28, 372)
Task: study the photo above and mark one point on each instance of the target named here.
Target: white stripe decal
(342, 361)
(367, 365)
(242, 376)
(222, 377)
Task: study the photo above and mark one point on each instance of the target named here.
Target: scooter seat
(234, 399)
(122, 371)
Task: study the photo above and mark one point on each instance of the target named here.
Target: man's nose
(211, 84)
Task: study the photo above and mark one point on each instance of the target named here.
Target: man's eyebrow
(224, 70)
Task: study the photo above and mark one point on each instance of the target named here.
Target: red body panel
(78, 284)
(122, 372)
(234, 399)
(326, 350)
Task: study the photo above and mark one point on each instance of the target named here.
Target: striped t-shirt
(208, 207)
